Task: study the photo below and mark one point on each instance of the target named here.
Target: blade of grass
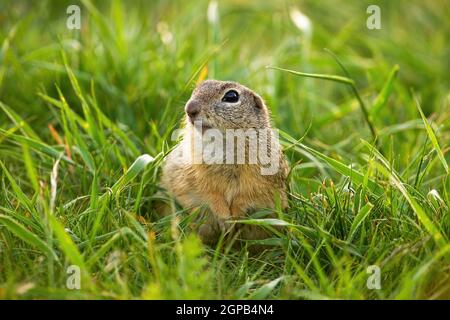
(74, 131)
(343, 169)
(19, 122)
(137, 167)
(19, 194)
(382, 98)
(432, 136)
(340, 79)
(38, 146)
(360, 217)
(264, 291)
(384, 167)
(29, 165)
(65, 243)
(27, 236)
(91, 125)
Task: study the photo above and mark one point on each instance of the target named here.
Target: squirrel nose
(192, 108)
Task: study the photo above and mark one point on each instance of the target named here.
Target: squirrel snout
(192, 108)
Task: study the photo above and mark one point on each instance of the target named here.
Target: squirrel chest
(229, 181)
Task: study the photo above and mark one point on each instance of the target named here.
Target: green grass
(86, 118)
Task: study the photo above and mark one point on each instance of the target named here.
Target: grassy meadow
(86, 118)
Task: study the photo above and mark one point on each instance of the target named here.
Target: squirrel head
(226, 105)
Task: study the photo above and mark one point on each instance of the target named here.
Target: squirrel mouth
(200, 124)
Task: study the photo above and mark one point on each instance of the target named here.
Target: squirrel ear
(258, 101)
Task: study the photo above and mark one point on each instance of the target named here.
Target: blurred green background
(136, 63)
(142, 54)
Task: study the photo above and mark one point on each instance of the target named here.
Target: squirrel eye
(231, 96)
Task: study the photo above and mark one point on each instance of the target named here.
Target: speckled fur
(228, 191)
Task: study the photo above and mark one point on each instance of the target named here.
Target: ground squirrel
(228, 189)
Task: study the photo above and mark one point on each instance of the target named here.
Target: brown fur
(227, 191)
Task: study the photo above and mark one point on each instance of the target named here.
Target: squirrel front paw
(222, 225)
(211, 230)
(208, 234)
